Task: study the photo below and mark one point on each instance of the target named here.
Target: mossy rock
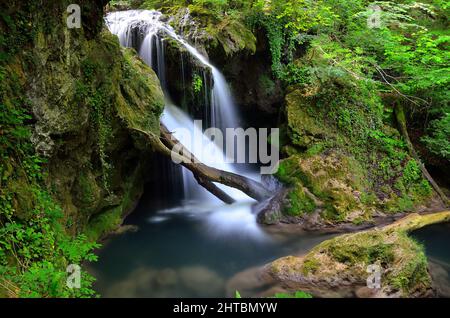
(334, 178)
(24, 199)
(339, 266)
(87, 192)
(142, 101)
(305, 127)
(86, 95)
(228, 33)
(299, 203)
(233, 36)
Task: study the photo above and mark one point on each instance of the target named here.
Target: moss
(368, 199)
(415, 271)
(305, 127)
(310, 265)
(316, 149)
(299, 202)
(363, 248)
(331, 113)
(334, 178)
(359, 220)
(87, 192)
(397, 204)
(140, 80)
(228, 33)
(24, 198)
(111, 218)
(343, 160)
(80, 94)
(233, 36)
(288, 170)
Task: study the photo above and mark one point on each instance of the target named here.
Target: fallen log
(205, 175)
(170, 142)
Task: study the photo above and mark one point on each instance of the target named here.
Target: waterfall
(145, 31)
(132, 25)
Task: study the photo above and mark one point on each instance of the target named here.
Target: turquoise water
(192, 249)
(188, 252)
(436, 239)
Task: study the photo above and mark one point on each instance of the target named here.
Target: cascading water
(146, 32)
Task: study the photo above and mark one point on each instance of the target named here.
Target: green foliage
(407, 56)
(297, 294)
(284, 22)
(33, 253)
(16, 31)
(101, 120)
(438, 140)
(411, 173)
(197, 83)
(392, 146)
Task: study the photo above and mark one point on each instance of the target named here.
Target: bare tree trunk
(401, 120)
(205, 175)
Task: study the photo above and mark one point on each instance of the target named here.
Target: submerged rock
(182, 282)
(198, 279)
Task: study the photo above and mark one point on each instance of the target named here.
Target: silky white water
(147, 26)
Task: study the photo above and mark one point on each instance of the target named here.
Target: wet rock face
(92, 17)
(83, 90)
(256, 91)
(253, 86)
(242, 56)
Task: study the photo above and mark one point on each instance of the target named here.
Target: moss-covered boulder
(339, 267)
(342, 152)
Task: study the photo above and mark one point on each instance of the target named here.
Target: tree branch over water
(206, 175)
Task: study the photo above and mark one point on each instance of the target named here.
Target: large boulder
(340, 266)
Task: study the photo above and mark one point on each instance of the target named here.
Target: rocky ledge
(339, 267)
